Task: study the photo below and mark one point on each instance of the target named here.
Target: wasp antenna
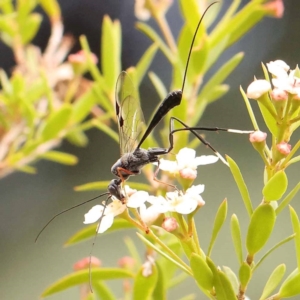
(94, 241)
(192, 44)
(66, 210)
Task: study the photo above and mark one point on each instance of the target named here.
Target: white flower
(185, 203)
(278, 68)
(115, 208)
(257, 88)
(290, 84)
(186, 163)
(149, 214)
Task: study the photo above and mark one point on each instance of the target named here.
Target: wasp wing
(129, 114)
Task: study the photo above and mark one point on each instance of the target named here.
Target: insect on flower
(131, 124)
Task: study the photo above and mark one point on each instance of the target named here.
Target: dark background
(27, 202)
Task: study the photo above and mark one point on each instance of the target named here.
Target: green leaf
(132, 249)
(219, 221)
(217, 92)
(236, 237)
(147, 30)
(296, 229)
(269, 119)
(290, 286)
(144, 286)
(83, 106)
(221, 75)
(89, 232)
(110, 52)
(289, 238)
(244, 275)
(106, 129)
(102, 291)
(144, 63)
(82, 276)
(176, 260)
(56, 122)
(159, 85)
(102, 185)
(275, 187)
(273, 281)
(77, 138)
(260, 228)
(26, 169)
(223, 287)
(60, 157)
(160, 290)
(232, 278)
(29, 27)
(288, 199)
(52, 8)
(202, 273)
(241, 184)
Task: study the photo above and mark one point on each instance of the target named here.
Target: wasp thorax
(132, 163)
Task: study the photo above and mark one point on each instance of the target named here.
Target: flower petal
(160, 203)
(167, 165)
(93, 214)
(206, 160)
(185, 157)
(187, 206)
(137, 199)
(106, 223)
(196, 189)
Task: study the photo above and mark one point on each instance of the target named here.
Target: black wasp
(131, 125)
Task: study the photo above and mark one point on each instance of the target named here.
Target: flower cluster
(280, 97)
(151, 207)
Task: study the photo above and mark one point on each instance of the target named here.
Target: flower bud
(126, 262)
(275, 8)
(284, 148)
(258, 140)
(79, 61)
(258, 88)
(169, 224)
(85, 263)
(279, 95)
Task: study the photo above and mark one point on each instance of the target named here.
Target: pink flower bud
(126, 262)
(279, 95)
(80, 58)
(257, 136)
(284, 148)
(85, 263)
(257, 88)
(275, 8)
(169, 224)
(188, 173)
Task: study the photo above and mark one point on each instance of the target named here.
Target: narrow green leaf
(102, 291)
(232, 278)
(89, 232)
(289, 238)
(217, 92)
(52, 8)
(270, 121)
(290, 287)
(158, 84)
(29, 27)
(106, 129)
(223, 287)
(144, 63)
(102, 185)
(147, 30)
(26, 169)
(82, 276)
(288, 199)
(144, 286)
(244, 275)
(218, 223)
(236, 237)
(77, 138)
(202, 273)
(273, 281)
(241, 184)
(60, 157)
(177, 262)
(57, 121)
(275, 187)
(221, 75)
(110, 52)
(160, 290)
(132, 249)
(261, 226)
(296, 229)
